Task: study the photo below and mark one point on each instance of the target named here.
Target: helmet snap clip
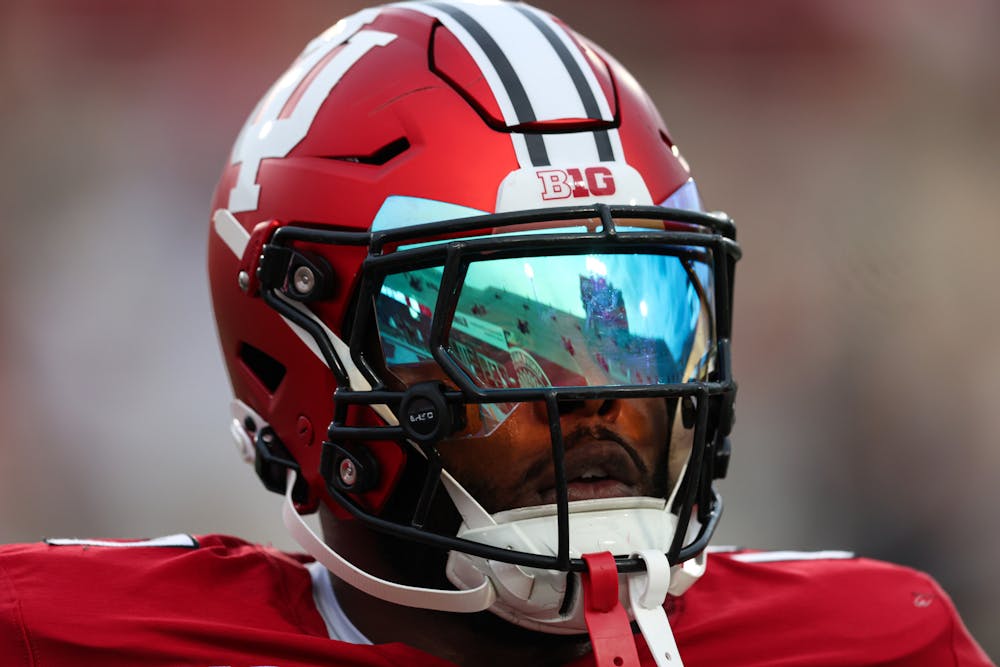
(349, 468)
(309, 277)
(272, 461)
(304, 280)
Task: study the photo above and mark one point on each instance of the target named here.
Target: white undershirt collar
(338, 626)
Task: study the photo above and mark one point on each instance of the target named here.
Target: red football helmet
(455, 247)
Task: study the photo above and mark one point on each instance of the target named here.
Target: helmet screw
(348, 472)
(304, 280)
(243, 280)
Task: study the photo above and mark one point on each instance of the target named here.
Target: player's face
(613, 448)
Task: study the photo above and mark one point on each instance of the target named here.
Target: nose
(608, 409)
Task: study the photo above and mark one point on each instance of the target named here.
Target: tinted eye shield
(455, 246)
(555, 313)
(442, 319)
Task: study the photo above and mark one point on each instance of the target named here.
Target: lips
(595, 469)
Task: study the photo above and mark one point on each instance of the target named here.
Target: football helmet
(456, 259)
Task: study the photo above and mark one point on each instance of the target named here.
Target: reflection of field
(506, 340)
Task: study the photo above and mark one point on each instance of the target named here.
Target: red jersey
(217, 600)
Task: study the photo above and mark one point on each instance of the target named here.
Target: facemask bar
(694, 485)
(710, 401)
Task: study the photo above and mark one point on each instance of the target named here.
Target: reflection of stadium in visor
(559, 321)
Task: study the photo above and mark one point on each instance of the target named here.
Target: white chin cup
(532, 598)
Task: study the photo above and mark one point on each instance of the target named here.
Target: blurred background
(855, 143)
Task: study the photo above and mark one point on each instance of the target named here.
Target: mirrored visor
(570, 320)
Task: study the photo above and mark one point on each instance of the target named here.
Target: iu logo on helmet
(566, 183)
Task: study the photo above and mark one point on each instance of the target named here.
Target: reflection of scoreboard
(603, 304)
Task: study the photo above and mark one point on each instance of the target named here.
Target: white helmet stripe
(595, 105)
(536, 73)
(586, 82)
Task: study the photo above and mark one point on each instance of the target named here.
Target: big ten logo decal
(285, 114)
(566, 183)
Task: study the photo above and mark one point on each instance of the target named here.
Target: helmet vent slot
(263, 366)
(666, 139)
(380, 156)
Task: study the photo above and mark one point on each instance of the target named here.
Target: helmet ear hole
(268, 370)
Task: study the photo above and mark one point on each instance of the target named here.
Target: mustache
(581, 435)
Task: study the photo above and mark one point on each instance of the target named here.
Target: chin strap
(475, 599)
(646, 593)
(607, 623)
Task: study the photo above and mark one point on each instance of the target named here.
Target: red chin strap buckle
(610, 632)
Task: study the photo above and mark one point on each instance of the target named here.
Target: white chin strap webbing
(474, 599)
(647, 590)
